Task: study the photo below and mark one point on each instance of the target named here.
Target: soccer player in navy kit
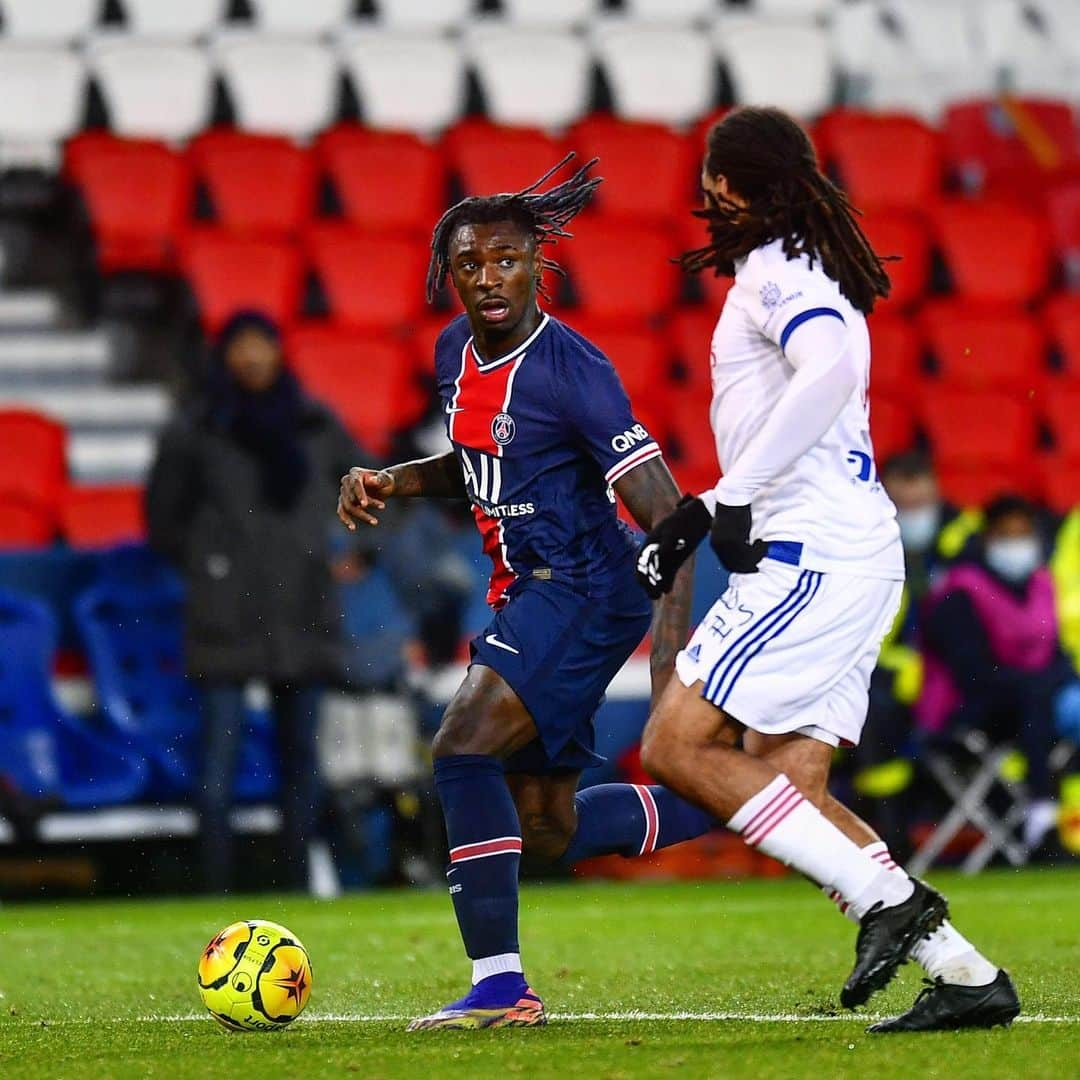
(541, 431)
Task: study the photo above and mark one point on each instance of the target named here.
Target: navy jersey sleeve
(597, 411)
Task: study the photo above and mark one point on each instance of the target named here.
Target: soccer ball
(255, 976)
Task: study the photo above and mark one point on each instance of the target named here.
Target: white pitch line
(608, 1017)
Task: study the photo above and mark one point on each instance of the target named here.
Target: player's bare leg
(688, 744)
(484, 723)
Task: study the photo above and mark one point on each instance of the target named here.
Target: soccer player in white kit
(783, 659)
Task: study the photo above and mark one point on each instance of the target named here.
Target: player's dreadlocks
(768, 159)
(543, 215)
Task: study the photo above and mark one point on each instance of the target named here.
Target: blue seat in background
(43, 751)
(133, 633)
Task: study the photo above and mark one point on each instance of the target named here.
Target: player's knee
(545, 836)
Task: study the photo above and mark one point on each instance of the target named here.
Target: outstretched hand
(362, 491)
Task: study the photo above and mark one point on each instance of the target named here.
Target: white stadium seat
(550, 14)
(531, 77)
(1021, 48)
(300, 16)
(41, 102)
(671, 11)
(408, 82)
(298, 105)
(166, 19)
(48, 20)
(153, 90)
(786, 64)
(657, 73)
(894, 55)
(1062, 18)
(424, 14)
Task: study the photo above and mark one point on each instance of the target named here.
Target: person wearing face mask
(991, 650)
(237, 500)
(934, 533)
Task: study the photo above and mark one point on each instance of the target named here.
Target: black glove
(670, 543)
(730, 539)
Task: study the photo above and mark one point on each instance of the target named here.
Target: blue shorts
(558, 648)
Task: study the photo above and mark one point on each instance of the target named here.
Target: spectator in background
(992, 653)
(239, 499)
(933, 533)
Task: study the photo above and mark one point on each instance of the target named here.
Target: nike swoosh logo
(450, 411)
(491, 639)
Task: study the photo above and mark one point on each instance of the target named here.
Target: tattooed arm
(364, 490)
(650, 494)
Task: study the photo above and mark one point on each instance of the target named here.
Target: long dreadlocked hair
(544, 215)
(768, 159)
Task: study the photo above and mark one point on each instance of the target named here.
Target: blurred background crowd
(214, 221)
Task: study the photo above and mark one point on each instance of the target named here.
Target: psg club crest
(503, 428)
(770, 294)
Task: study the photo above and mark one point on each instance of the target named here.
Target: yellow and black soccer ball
(255, 976)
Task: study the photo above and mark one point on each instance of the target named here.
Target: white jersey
(830, 499)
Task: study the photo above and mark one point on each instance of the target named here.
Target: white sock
(1042, 816)
(495, 965)
(780, 822)
(946, 953)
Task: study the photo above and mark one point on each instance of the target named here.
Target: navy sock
(485, 851)
(631, 819)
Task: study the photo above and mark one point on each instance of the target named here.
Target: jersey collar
(489, 365)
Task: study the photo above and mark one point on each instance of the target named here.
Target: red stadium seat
(621, 274)
(1061, 408)
(892, 427)
(1062, 316)
(228, 272)
(692, 453)
(96, 517)
(25, 525)
(1063, 213)
(387, 180)
(489, 158)
(975, 431)
(996, 253)
(630, 151)
(886, 161)
(976, 486)
(368, 381)
(33, 464)
(895, 359)
(984, 349)
(895, 232)
(137, 193)
(260, 185)
(1059, 478)
(372, 281)
(1010, 146)
(691, 332)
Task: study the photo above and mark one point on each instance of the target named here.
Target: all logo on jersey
(503, 429)
(770, 294)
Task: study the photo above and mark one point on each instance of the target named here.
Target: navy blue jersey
(541, 434)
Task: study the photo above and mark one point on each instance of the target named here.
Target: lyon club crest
(503, 428)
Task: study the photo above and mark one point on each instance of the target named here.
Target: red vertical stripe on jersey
(491, 537)
(480, 397)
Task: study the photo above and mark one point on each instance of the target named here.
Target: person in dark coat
(238, 500)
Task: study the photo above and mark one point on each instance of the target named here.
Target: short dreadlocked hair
(543, 215)
(768, 160)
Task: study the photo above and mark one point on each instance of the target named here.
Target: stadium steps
(96, 457)
(29, 309)
(53, 356)
(121, 408)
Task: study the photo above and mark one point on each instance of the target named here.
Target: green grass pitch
(718, 979)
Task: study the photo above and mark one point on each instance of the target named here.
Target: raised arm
(365, 490)
(650, 494)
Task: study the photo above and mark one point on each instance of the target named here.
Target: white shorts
(793, 650)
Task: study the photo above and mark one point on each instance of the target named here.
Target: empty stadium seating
(259, 185)
(138, 195)
(487, 159)
(102, 517)
(903, 234)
